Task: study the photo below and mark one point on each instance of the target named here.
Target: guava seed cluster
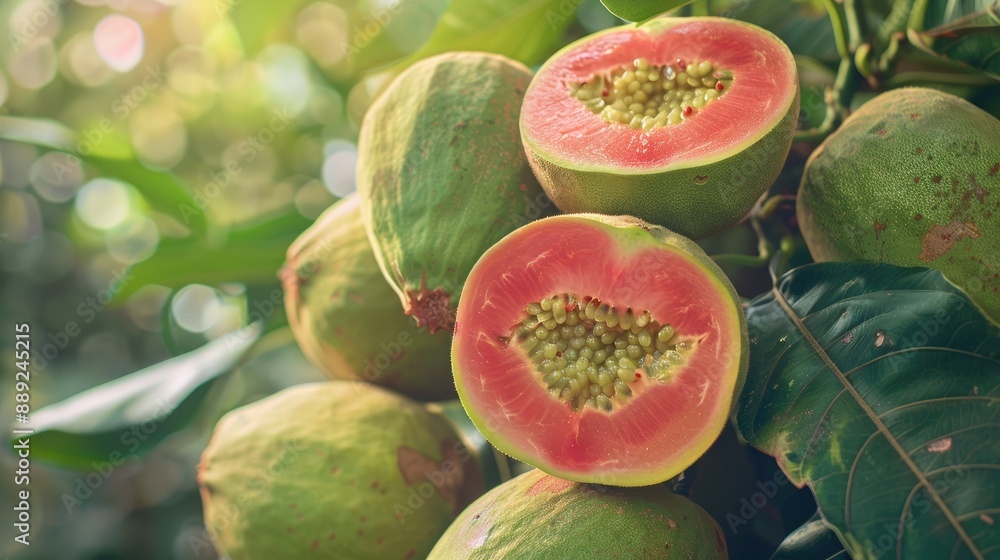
(647, 97)
(590, 353)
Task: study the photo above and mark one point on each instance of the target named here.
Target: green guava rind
(442, 175)
(540, 517)
(911, 179)
(334, 470)
(346, 318)
(695, 199)
(632, 234)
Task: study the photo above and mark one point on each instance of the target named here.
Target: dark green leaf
(525, 30)
(812, 541)
(164, 191)
(129, 416)
(967, 32)
(641, 10)
(877, 386)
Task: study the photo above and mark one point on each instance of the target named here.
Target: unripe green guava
(346, 318)
(912, 178)
(338, 470)
(443, 176)
(540, 517)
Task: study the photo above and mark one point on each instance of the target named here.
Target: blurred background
(157, 157)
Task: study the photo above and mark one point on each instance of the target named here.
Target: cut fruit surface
(599, 349)
(682, 122)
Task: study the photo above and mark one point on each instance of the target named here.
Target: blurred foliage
(157, 157)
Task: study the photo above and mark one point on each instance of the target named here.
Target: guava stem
(838, 99)
(764, 248)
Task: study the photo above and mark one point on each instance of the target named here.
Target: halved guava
(682, 122)
(599, 349)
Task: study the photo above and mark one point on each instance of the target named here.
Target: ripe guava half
(599, 349)
(540, 516)
(682, 122)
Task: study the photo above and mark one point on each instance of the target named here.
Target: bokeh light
(33, 66)
(119, 41)
(287, 76)
(339, 170)
(102, 203)
(133, 241)
(196, 308)
(56, 176)
(321, 29)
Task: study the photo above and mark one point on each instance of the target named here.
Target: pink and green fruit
(599, 349)
(912, 178)
(334, 470)
(682, 122)
(442, 176)
(346, 318)
(537, 516)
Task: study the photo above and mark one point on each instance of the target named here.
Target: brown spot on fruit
(916, 179)
(549, 484)
(995, 170)
(936, 179)
(940, 445)
(918, 217)
(940, 239)
(920, 150)
(979, 192)
(700, 179)
(880, 227)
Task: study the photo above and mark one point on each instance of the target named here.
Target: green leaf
(129, 416)
(812, 541)
(259, 22)
(877, 386)
(525, 30)
(641, 10)
(164, 191)
(963, 31)
(250, 255)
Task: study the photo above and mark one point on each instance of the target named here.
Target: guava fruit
(443, 176)
(912, 178)
(599, 349)
(540, 517)
(335, 470)
(347, 319)
(681, 122)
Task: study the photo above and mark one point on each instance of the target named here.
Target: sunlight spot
(102, 204)
(119, 42)
(196, 308)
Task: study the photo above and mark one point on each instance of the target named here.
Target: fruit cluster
(598, 346)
